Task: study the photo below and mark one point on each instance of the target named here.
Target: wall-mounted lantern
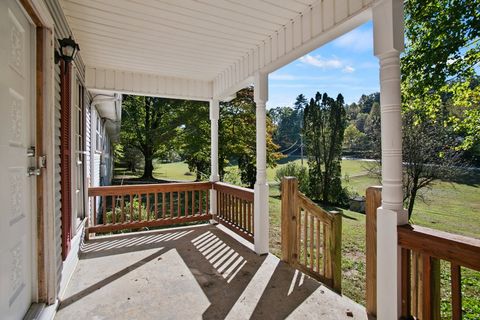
(68, 50)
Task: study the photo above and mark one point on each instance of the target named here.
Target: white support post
(388, 43)
(260, 220)
(214, 177)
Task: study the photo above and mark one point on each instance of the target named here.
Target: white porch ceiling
(219, 41)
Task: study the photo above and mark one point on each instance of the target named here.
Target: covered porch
(204, 50)
(208, 50)
(204, 272)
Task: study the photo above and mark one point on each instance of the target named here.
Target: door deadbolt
(31, 152)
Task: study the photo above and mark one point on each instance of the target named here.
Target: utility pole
(301, 149)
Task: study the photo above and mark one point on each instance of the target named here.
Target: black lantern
(68, 50)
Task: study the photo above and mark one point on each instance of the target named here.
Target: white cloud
(348, 69)
(320, 62)
(324, 63)
(358, 40)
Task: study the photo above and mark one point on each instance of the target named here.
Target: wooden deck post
(289, 219)
(456, 286)
(426, 288)
(336, 250)
(373, 201)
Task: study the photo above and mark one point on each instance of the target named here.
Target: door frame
(77, 103)
(44, 220)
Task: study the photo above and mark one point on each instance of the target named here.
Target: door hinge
(42, 161)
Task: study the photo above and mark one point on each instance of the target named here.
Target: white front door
(17, 107)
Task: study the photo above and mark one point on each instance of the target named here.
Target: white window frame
(98, 133)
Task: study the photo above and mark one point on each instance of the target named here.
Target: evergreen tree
(324, 126)
(373, 131)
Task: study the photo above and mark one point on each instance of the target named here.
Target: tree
(237, 134)
(300, 103)
(324, 126)
(353, 139)
(194, 137)
(442, 52)
(352, 111)
(289, 122)
(128, 156)
(360, 121)
(366, 102)
(429, 154)
(287, 133)
(373, 131)
(440, 95)
(149, 124)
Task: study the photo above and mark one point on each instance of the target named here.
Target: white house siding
(62, 30)
(101, 156)
(96, 169)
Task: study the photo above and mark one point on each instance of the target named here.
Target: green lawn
(452, 207)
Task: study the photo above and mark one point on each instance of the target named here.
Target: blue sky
(346, 65)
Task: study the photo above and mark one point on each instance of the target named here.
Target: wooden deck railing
(311, 236)
(422, 250)
(150, 205)
(235, 208)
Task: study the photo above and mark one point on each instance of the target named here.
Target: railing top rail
(241, 192)
(147, 188)
(464, 251)
(313, 208)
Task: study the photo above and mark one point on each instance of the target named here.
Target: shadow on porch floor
(192, 273)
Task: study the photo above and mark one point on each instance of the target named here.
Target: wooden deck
(203, 272)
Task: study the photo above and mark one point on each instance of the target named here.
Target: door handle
(32, 171)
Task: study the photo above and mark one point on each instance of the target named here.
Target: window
(99, 134)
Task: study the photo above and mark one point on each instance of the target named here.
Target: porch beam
(214, 177)
(147, 84)
(322, 22)
(260, 215)
(388, 43)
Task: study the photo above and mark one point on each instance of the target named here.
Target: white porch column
(388, 43)
(214, 177)
(260, 220)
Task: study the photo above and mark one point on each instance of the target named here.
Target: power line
(293, 145)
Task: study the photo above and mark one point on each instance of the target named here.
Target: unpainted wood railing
(311, 236)
(148, 205)
(421, 251)
(235, 208)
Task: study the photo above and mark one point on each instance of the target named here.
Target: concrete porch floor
(199, 272)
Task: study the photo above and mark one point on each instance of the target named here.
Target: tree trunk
(411, 202)
(198, 174)
(131, 167)
(148, 169)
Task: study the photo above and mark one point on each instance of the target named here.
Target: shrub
(293, 169)
(232, 176)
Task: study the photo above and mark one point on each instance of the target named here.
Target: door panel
(16, 136)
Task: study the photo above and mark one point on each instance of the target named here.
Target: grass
(179, 170)
(449, 206)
